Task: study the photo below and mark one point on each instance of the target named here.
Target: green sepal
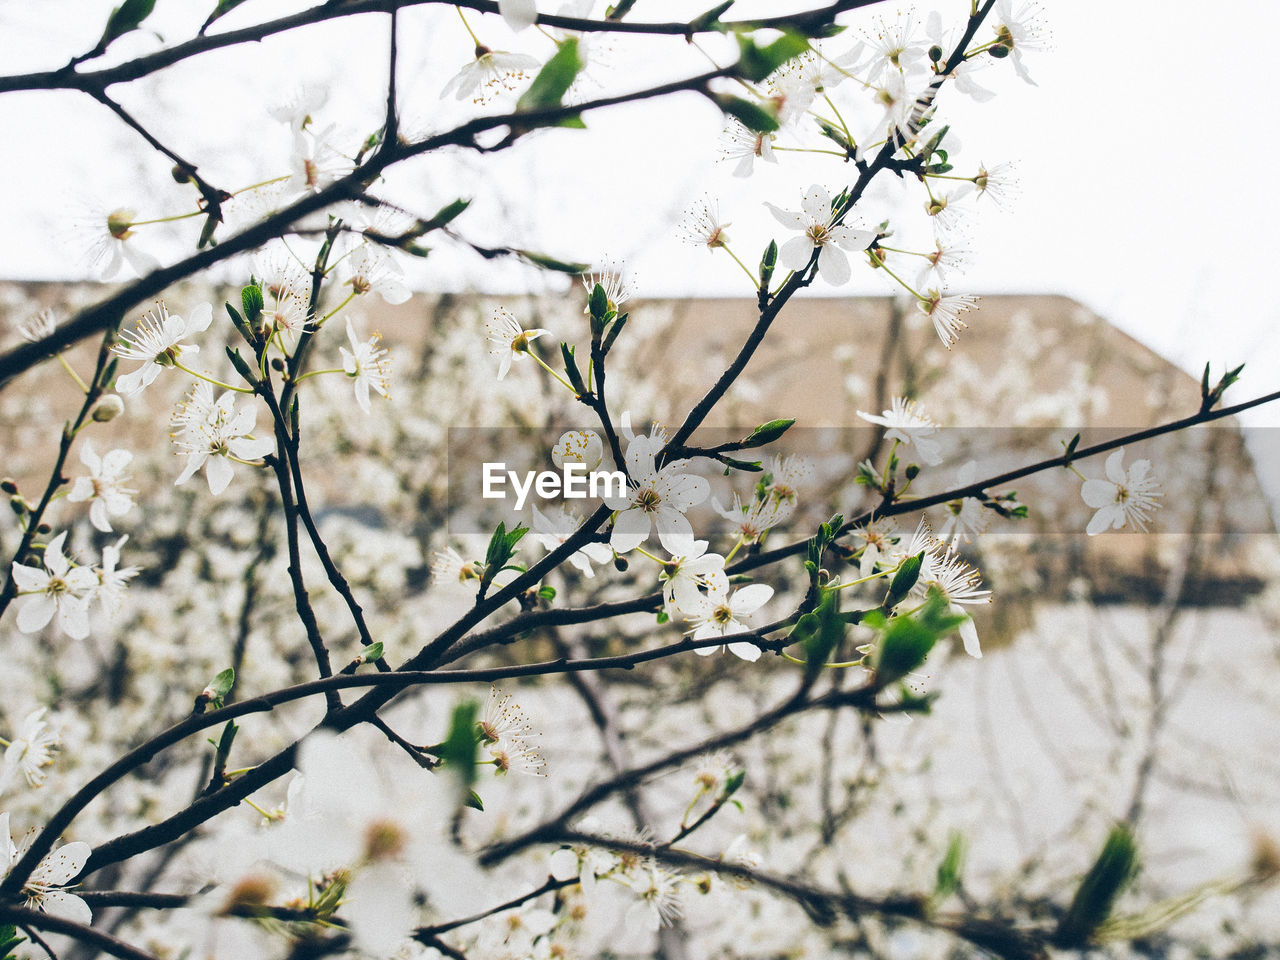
(227, 739)
(746, 466)
(553, 80)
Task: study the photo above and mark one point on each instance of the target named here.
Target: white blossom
(213, 433)
(721, 614)
(368, 364)
(1125, 498)
(906, 424)
(58, 588)
(820, 233)
(30, 750)
(490, 73)
(507, 339)
(657, 498)
(157, 342)
(104, 486)
(55, 870)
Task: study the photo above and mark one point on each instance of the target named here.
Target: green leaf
(547, 593)
(711, 19)
(228, 738)
(221, 10)
(9, 939)
(241, 365)
(733, 783)
(598, 303)
(251, 301)
(820, 631)
(444, 216)
(124, 18)
(746, 466)
(551, 263)
(223, 682)
(751, 115)
(950, 868)
(553, 80)
(907, 640)
(373, 653)
(1112, 871)
(755, 62)
(768, 432)
(615, 328)
(459, 748)
(473, 801)
(571, 369)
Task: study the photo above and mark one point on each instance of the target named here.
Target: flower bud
(1000, 51)
(912, 471)
(8, 486)
(44, 529)
(17, 504)
(620, 563)
(277, 365)
(108, 407)
(935, 53)
(180, 173)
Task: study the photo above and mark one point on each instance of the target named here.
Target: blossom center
(648, 500)
(819, 234)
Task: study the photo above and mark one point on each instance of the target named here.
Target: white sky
(1137, 155)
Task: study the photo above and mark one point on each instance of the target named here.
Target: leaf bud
(108, 407)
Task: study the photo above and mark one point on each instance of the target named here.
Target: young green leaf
(553, 80)
(755, 62)
(767, 433)
(751, 115)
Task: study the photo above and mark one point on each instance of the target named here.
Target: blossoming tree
(350, 766)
